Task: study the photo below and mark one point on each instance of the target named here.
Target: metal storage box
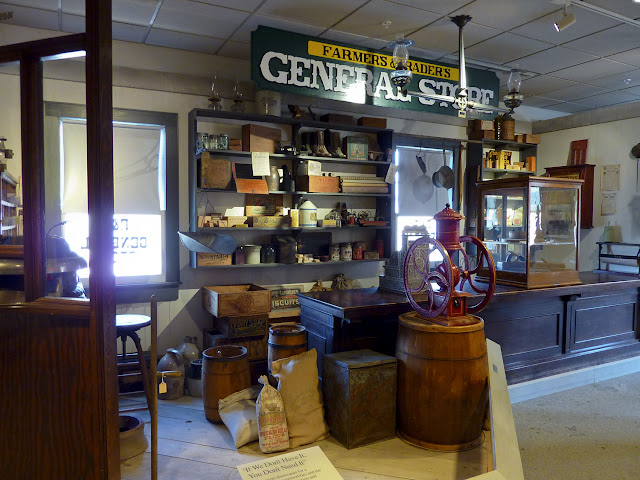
(359, 393)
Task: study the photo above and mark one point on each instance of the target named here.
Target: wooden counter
(542, 332)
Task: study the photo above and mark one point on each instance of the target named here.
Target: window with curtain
(145, 197)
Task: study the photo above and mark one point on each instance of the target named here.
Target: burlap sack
(238, 412)
(298, 384)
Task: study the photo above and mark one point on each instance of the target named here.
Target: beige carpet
(587, 433)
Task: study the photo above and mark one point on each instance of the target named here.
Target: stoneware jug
(189, 351)
(172, 361)
(308, 215)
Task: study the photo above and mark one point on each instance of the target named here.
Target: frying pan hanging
(444, 177)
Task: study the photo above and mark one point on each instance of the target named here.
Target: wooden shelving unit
(384, 202)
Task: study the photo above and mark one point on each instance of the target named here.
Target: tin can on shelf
(334, 252)
(345, 252)
(358, 251)
(379, 246)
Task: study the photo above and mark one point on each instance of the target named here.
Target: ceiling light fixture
(566, 21)
(402, 75)
(601, 11)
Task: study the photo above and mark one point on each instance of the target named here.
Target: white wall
(177, 94)
(609, 143)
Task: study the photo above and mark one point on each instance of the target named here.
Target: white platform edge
(506, 452)
(521, 392)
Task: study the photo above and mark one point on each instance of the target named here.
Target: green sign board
(289, 62)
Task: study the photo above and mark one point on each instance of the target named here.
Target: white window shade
(138, 159)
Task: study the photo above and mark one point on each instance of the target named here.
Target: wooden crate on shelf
(318, 184)
(242, 325)
(214, 172)
(231, 300)
(258, 138)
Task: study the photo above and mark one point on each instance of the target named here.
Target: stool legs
(146, 381)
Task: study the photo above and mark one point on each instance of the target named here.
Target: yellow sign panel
(373, 59)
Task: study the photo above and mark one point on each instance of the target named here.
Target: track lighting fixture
(566, 21)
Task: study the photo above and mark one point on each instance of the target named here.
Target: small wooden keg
(286, 340)
(225, 370)
(442, 382)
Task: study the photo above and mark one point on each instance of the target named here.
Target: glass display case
(531, 226)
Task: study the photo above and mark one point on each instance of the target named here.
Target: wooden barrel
(225, 370)
(442, 382)
(286, 340)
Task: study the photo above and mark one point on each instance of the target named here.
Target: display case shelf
(289, 229)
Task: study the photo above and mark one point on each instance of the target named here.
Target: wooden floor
(190, 447)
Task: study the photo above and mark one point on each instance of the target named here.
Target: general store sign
(289, 62)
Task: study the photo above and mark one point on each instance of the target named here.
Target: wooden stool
(127, 326)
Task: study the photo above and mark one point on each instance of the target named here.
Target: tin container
(358, 251)
(334, 252)
(379, 246)
(356, 419)
(345, 252)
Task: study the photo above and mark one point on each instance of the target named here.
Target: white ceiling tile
(367, 20)
(569, 107)
(506, 14)
(608, 42)
(442, 35)
(238, 50)
(183, 41)
(128, 33)
(553, 59)
(586, 23)
(539, 102)
(244, 5)
(198, 18)
(593, 70)
(632, 57)
(505, 48)
(435, 6)
(576, 92)
(243, 34)
(606, 99)
(543, 83)
(618, 81)
(43, 4)
(633, 91)
(623, 7)
(323, 14)
(73, 23)
(75, 7)
(31, 17)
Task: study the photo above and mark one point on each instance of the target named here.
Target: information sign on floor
(308, 464)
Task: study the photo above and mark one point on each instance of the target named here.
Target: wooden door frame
(100, 326)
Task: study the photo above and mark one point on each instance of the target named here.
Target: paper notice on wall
(260, 163)
(608, 204)
(610, 181)
(391, 173)
(308, 464)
